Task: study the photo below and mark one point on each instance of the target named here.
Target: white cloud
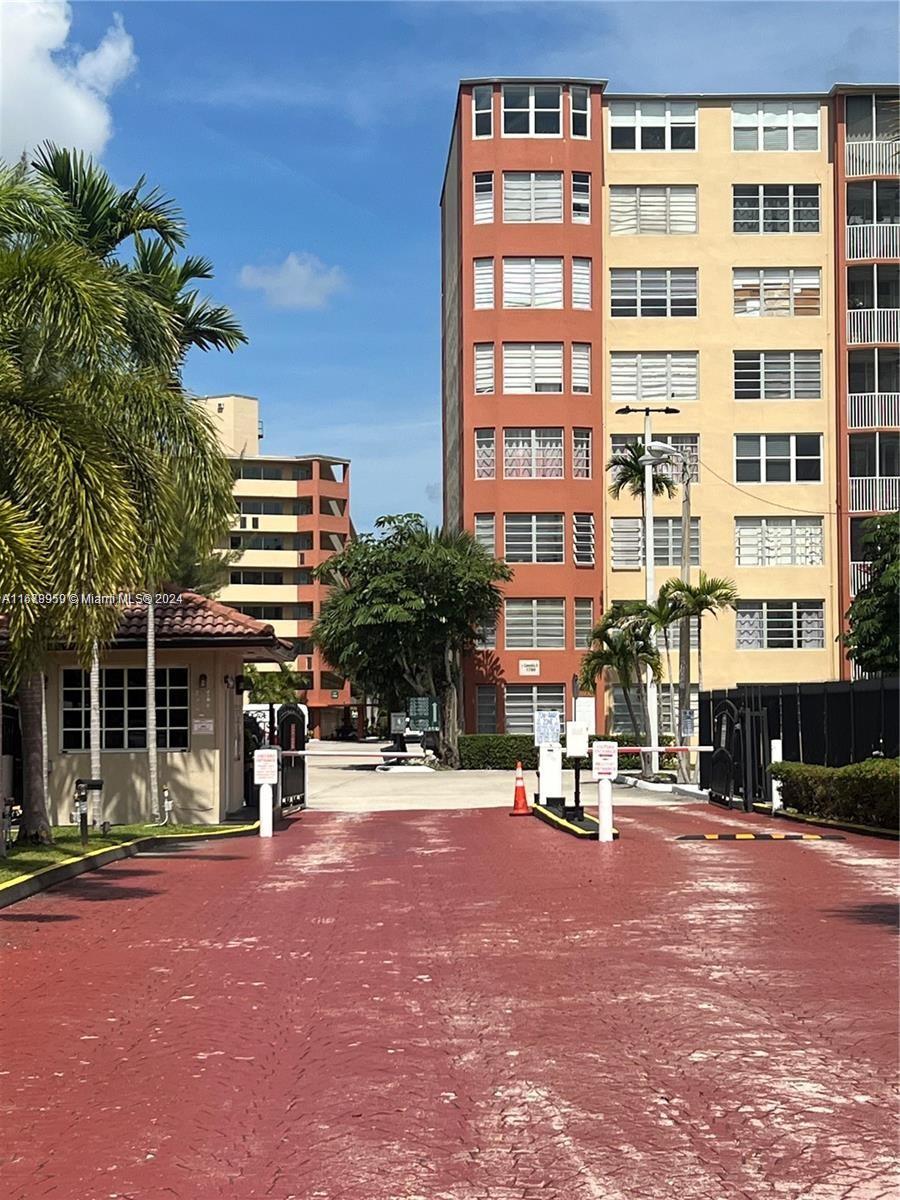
(301, 281)
(48, 89)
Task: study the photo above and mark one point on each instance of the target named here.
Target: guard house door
(292, 736)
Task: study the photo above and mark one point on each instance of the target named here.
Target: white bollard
(775, 757)
(265, 810)
(604, 810)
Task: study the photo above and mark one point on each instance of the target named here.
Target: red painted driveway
(457, 1006)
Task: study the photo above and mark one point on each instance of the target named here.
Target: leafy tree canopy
(872, 638)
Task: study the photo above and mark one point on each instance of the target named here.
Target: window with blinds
(533, 196)
(581, 453)
(532, 283)
(581, 197)
(485, 454)
(484, 197)
(534, 537)
(581, 283)
(654, 292)
(776, 291)
(484, 283)
(685, 443)
(777, 374)
(532, 453)
(535, 624)
(486, 708)
(652, 125)
(778, 457)
(584, 623)
(627, 537)
(776, 208)
(486, 635)
(583, 539)
(780, 625)
(581, 367)
(523, 700)
(775, 125)
(653, 210)
(778, 541)
(484, 368)
(485, 531)
(532, 367)
(654, 376)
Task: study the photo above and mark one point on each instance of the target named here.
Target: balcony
(873, 326)
(859, 576)
(872, 158)
(873, 410)
(873, 241)
(871, 495)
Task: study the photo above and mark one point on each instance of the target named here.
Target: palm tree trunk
(35, 825)
(45, 747)
(673, 716)
(699, 684)
(95, 732)
(152, 760)
(449, 714)
(629, 704)
(645, 715)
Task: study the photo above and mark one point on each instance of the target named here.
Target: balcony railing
(859, 576)
(874, 495)
(873, 326)
(872, 158)
(873, 241)
(873, 410)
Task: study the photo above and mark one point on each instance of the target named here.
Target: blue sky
(306, 144)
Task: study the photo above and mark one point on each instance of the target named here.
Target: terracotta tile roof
(192, 617)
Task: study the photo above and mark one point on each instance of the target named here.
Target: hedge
(501, 751)
(863, 793)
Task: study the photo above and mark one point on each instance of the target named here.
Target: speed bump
(760, 837)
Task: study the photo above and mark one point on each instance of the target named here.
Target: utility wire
(808, 512)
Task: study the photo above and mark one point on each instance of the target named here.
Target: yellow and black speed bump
(760, 837)
(580, 827)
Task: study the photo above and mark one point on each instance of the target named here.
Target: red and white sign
(604, 760)
(265, 765)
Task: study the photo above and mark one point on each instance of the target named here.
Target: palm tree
(627, 474)
(661, 616)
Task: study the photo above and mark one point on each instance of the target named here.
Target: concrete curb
(24, 886)
(828, 823)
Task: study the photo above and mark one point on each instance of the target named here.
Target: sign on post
(586, 713)
(398, 722)
(576, 740)
(604, 760)
(265, 765)
(423, 713)
(687, 722)
(546, 728)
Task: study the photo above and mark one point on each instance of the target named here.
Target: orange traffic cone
(520, 804)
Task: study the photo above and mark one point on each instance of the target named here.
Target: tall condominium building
(293, 513)
(733, 258)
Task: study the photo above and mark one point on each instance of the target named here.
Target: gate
(741, 753)
(292, 736)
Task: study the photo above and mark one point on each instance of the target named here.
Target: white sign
(546, 728)
(550, 774)
(586, 713)
(604, 760)
(576, 740)
(687, 722)
(202, 725)
(265, 765)
(529, 666)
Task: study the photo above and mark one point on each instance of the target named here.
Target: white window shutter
(548, 367)
(484, 283)
(548, 283)
(653, 209)
(684, 375)
(517, 283)
(517, 368)
(516, 196)
(484, 197)
(484, 368)
(581, 283)
(654, 377)
(624, 377)
(548, 196)
(682, 210)
(583, 539)
(485, 535)
(581, 367)
(627, 543)
(623, 210)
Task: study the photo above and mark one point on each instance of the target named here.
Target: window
(780, 625)
(523, 700)
(654, 292)
(244, 470)
(484, 283)
(532, 454)
(664, 714)
(535, 624)
(484, 197)
(532, 111)
(776, 291)
(581, 367)
(653, 125)
(584, 623)
(485, 531)
(486, 708)
(484, 368)
(482, 114)
(486, 634)
(485, 454)
(123, 708)
(278, 612)
(581, 453)
(581, 283)
(776, 208)
(531, 368)
(532, 196)
(778, 458)
(533, 537)
(872, 118)
(686, 443)
(876, 370)
(778, 541)
(249, 578)
(874, 286)
(875, 202)
(271, 541)
(874, 455)
(581, 117)
(777, 374)
(581, 197)
(583, 539)
(775, 124)
(652, 210)
(656, 376)
(532, 283)
(627, 536)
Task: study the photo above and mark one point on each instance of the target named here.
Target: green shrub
(863, 793)
(501, 752)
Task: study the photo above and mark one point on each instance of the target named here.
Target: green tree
(403, 605)
(627, 475)
(275, 687)
(872, 636)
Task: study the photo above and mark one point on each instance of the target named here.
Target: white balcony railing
(873, 241)
(872, 158)
(859, 576)
(873, 410)
(874, 495)
(871, 326)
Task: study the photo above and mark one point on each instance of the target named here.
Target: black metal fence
(827, 723)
